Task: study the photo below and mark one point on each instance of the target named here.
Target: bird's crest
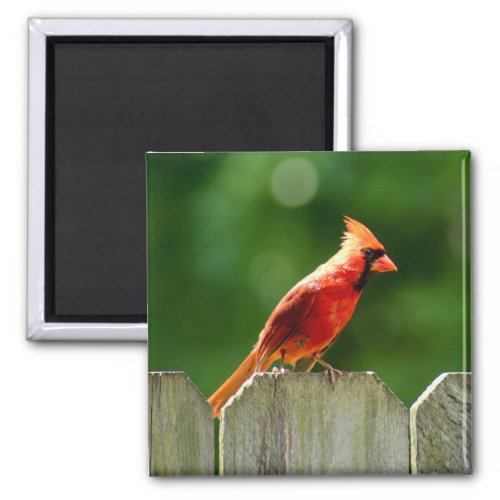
(356, 234)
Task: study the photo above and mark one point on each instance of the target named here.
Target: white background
(73, 416)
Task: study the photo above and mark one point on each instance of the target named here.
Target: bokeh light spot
(294, 182)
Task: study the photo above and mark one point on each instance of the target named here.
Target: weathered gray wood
(297, 423)
(440, 427)
(181, 427)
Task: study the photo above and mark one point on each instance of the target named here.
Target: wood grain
(298, 423)
(440, 427)
(181, 430)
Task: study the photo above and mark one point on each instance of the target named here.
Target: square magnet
(102, 92)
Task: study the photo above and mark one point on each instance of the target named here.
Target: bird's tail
(219, 398)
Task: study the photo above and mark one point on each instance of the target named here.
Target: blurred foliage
(230, 233)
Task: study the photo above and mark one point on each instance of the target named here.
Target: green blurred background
(230, 233)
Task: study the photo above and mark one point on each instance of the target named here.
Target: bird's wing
(284, 320)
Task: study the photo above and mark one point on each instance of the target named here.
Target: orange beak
(384, 264)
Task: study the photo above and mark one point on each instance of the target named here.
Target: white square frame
(39, 29)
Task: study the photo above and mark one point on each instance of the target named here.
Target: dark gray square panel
(109, 100)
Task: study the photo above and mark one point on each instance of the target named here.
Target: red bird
(309, 318)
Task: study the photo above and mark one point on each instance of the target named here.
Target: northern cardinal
(309, 318)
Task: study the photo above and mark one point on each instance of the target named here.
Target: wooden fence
(297, 423)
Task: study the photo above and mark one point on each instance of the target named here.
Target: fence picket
(297, 423)
(440, 426)
(181, 431)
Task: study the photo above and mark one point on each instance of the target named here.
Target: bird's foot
(329, 370)
(281, 371)
(333, 373)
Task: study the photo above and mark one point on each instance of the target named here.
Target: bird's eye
(368, 252)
